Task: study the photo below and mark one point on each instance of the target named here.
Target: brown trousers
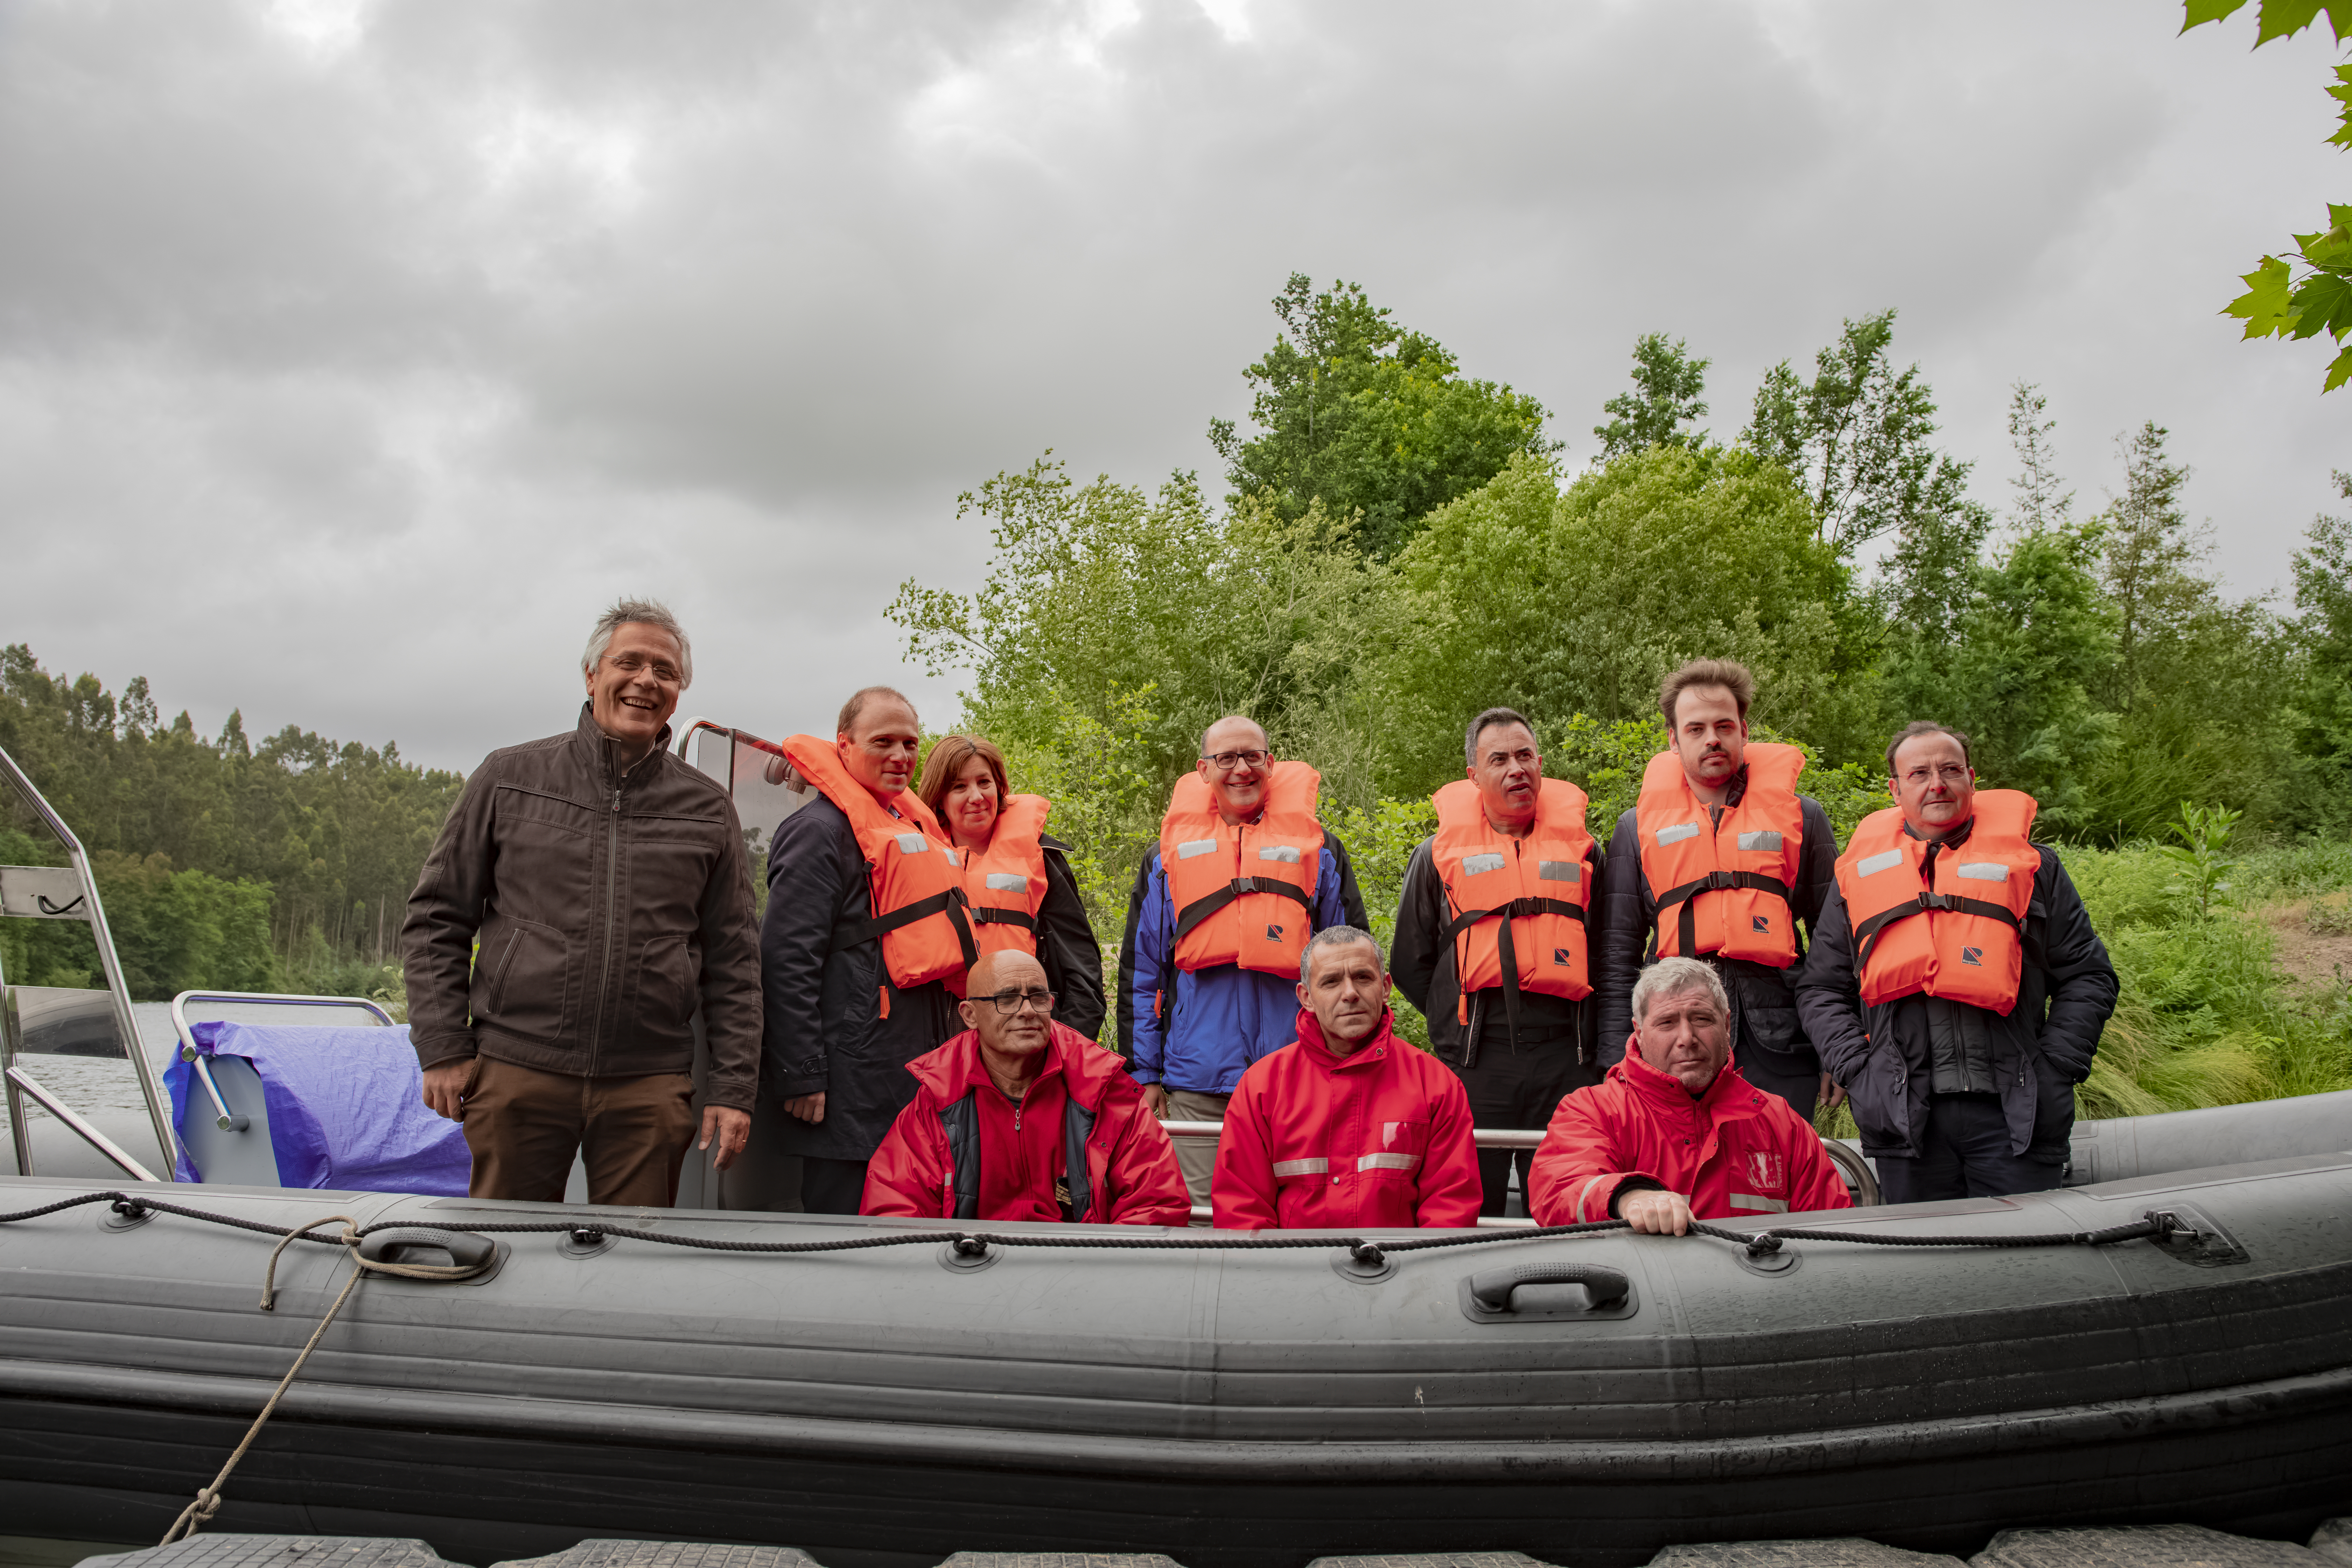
(524, 1125)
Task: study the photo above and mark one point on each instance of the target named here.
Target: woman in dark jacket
(964, 784)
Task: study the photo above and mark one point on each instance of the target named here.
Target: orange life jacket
(1243, 894)
(1006, 881)
(1724, 887)
(912, 870)
(1947, 921)
(1518, 905)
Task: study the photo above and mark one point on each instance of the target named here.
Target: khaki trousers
(524, 1125)
(1196, 1157)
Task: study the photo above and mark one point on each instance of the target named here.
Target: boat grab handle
(1603, 1287)
(464, 1249)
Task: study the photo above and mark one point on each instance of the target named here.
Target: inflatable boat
(2169, 1340)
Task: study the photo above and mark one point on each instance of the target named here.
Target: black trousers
(1518, 1089)
(1963, 1153)
(832, 1186)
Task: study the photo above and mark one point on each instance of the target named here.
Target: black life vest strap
(1200, 910)
(1865, 935)
(1506, 952)
(952, 903)
(983, 915)
(1687, 923)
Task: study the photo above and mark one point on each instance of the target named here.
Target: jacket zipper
(612, 881)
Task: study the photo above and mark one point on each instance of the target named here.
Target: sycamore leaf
(2284, 18)
(2323, 303)
(2339, 372)
(2264, 306)
(2200, 12)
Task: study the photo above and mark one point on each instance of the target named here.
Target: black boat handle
(466, 1249)
(1603, 1287)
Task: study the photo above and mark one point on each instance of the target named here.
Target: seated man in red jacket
(1347, 1126)
(1022, 1118)
(1674, 1133)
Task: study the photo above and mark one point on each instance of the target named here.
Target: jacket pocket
(1395, 1153)
(528, 989)
(665, 986)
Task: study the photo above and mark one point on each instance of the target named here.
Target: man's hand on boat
(809, 1108)
(730, 1127)
(1655, 1212)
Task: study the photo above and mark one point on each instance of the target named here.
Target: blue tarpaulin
(346, 1108)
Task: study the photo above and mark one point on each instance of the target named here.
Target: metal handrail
(99, 1141)
(228, 1120)
(1850, 1163)
(126, 1024)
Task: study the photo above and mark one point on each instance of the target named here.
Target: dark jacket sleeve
(1816, 865)
(808, 878)
(1414, 950)
(1624, 913)
(2082, 985)
(730, 975)
(445, 912)
(1065, 942)
(1829, 994)
(1352, 897)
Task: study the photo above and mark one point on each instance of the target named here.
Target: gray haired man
(588, 891)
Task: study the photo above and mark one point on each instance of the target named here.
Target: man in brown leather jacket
(587, 891)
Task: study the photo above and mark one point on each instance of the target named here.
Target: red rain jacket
(1314, 1141)
(1081, 1099)
(1735, 1150)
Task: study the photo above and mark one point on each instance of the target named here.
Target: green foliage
(1668, 384)
(2317, 717)
(2280, 301)
(1558, 603)
(193, 836)
(1380, 840)
(1857, 438)
(1373, 421)
(2200, 861)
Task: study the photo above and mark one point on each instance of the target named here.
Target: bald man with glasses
(1221, 910)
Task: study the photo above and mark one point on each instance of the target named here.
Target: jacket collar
(956, 1067)
(1729, 1097)
(1310, 1037)
(597, 751)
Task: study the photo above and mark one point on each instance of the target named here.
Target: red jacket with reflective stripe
(1315, 1140)
(1132, 1172)
(1735, 1150)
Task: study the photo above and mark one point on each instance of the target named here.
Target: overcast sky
(352, 356)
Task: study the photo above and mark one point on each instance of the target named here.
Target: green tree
(1580, 601)
(1369, 419)
(2318, 719)
(2281, 300)
(2035, 641)
(1112, 627)
(2146, 550)
(1856, 436)
(1668, 388)
(2042, 503)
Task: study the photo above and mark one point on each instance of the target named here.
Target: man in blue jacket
(1208, 989)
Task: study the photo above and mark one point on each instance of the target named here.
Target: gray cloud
(350, 354)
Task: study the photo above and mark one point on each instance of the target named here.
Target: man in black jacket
(839, 1032)
(1705, 707)
(587, 892)
(1953, 1099)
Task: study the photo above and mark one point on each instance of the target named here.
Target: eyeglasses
(1008, 1002)
(1950, 774)
(1226, 761)
(638, 663)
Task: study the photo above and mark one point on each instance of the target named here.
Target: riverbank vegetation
(1399, 546)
